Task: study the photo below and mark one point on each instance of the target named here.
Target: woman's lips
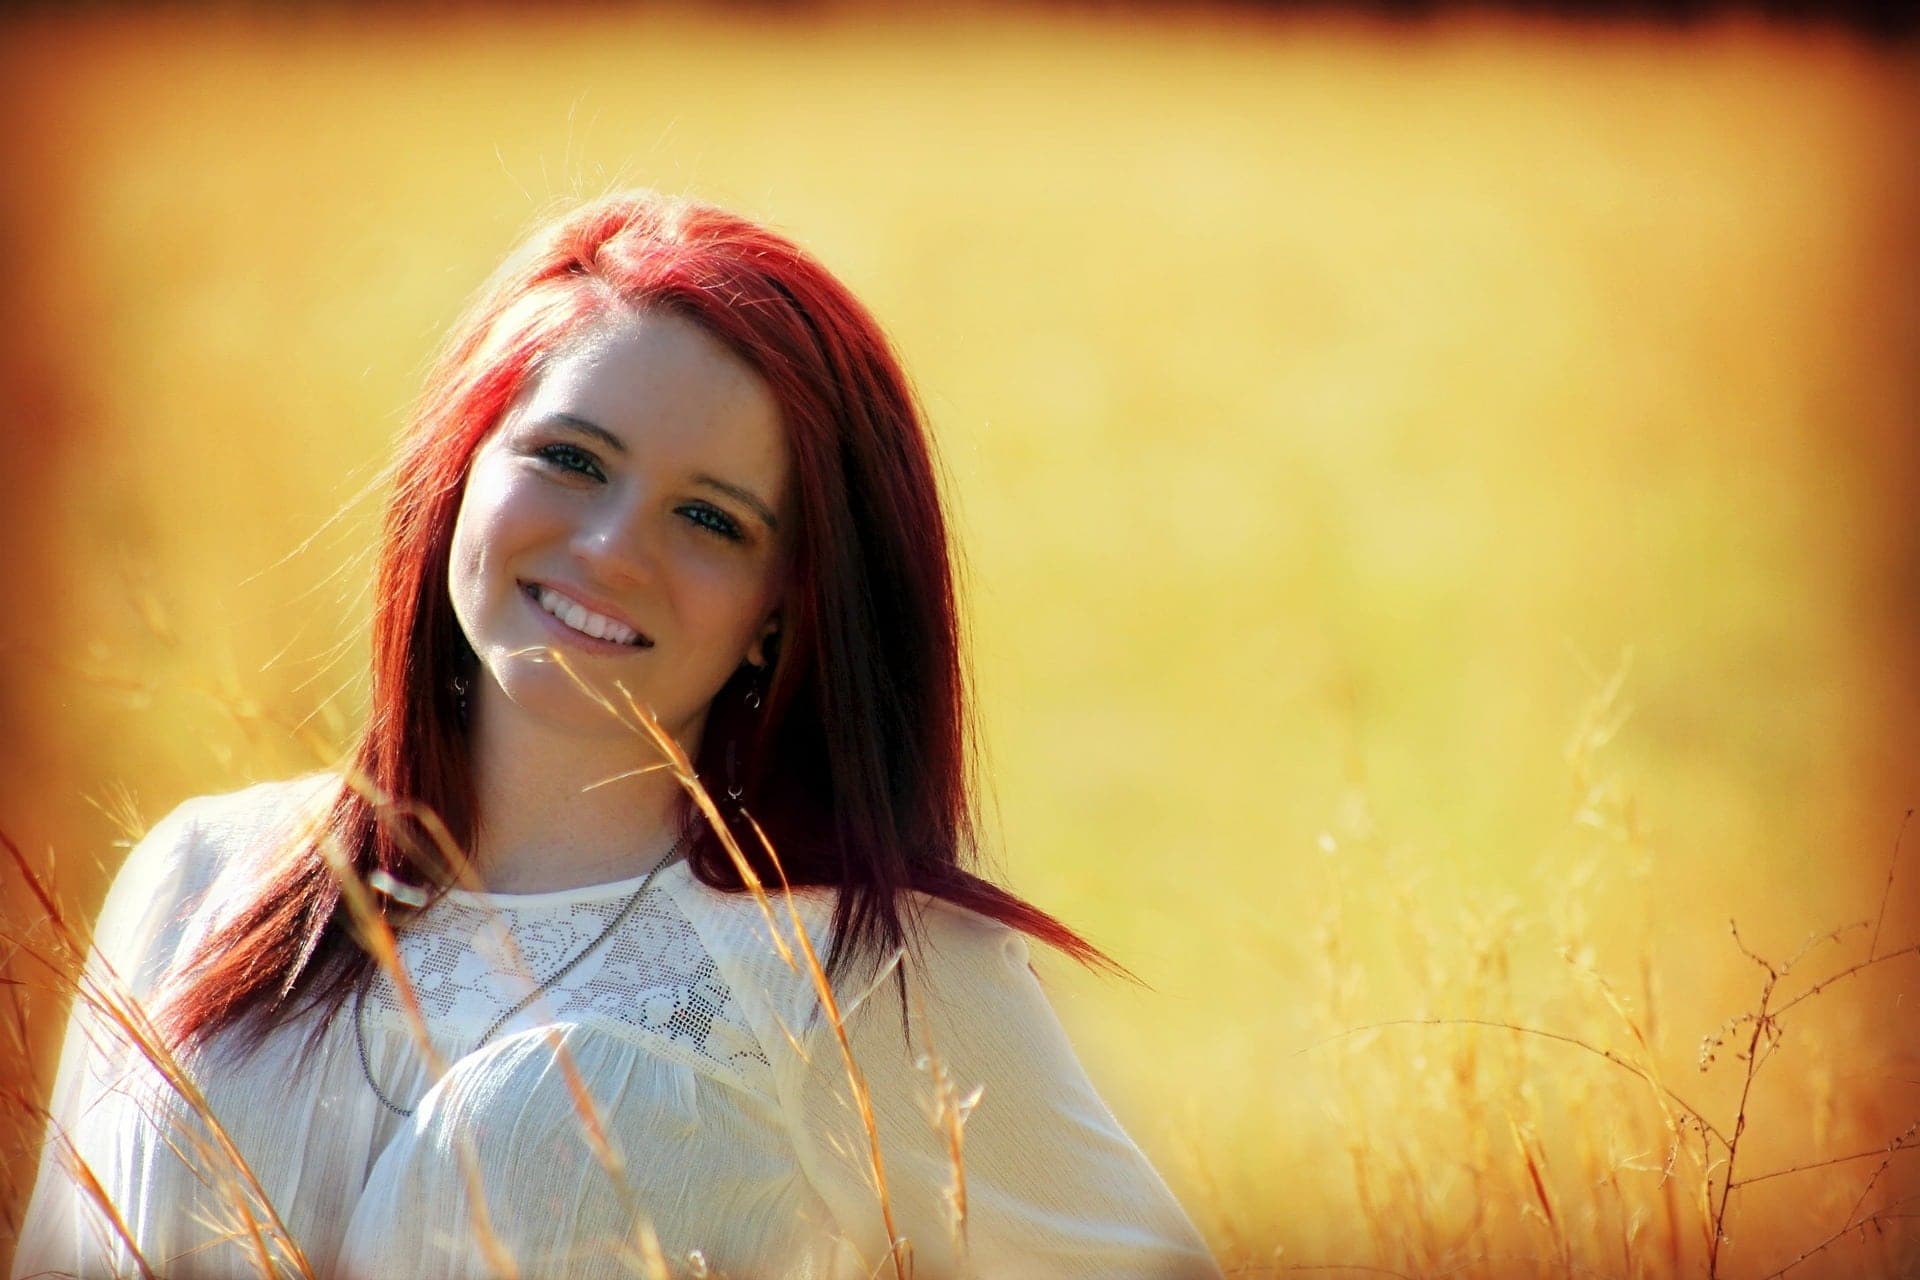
(579, 623)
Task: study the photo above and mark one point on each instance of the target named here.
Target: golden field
(1437, 503)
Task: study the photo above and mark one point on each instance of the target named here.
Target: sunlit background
(1437, 499)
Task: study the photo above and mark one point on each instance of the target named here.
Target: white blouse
(726, 1129)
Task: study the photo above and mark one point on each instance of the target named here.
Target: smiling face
(629, 511)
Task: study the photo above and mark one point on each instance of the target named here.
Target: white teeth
(584, 620)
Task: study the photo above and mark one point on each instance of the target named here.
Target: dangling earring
(466, 665)
(735, 792)
(757, 681)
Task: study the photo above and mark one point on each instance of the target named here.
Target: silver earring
(735, 792)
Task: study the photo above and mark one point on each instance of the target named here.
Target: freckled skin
(628, 525)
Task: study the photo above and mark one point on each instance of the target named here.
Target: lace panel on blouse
(472, 957)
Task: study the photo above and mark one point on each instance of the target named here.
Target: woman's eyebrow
(746, 496)
(585, 428)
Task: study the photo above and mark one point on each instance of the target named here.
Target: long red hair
(857, 764)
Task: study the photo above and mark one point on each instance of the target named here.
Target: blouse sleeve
(134, 936)
(1053, 1187)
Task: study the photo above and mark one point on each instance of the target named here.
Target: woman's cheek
(482, 535)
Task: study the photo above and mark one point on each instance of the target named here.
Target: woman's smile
(581, 622)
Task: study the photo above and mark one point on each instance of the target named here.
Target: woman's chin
(589, 706)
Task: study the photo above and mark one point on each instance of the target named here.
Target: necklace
(626, 908)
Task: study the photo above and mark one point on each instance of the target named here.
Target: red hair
(857, 764)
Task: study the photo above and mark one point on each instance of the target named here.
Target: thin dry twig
(1904, 1142)
(1848, 972)
(1879, 1215)
(1886, 890)
(1762, 1023)
(1693, 1112)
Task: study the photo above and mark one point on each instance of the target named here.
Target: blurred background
(1436, 485)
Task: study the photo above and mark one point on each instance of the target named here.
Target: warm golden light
(1437, 502)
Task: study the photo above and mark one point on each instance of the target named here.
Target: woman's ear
(758, 651)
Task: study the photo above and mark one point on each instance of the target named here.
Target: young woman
(666, 479)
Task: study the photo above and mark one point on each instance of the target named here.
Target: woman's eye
(570, 458)
(714, 519)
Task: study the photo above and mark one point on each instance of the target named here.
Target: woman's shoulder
(178, 864)
(962, 930)
(245, 815)
(239, 834)
(198, 836)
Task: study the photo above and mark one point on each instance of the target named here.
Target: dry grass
(1306, 388)
(1491, 1140)
(1493, 1137)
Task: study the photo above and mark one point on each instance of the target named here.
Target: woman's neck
(543, 824)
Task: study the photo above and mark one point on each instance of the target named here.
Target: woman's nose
(615, 546)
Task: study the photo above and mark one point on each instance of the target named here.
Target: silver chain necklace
(626, 909)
